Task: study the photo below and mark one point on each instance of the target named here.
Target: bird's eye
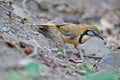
(89, 32)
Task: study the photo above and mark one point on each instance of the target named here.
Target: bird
(72, 33)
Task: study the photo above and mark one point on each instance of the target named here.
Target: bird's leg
(80, 52)
(62, 49)
(64, 52)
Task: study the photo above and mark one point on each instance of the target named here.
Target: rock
(19, 11)
(111, 59)
(111, 62)
(94, 46)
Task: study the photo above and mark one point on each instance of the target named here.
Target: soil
(20, 41)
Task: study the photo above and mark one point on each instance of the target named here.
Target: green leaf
(27, 18)
(87, 69)
(102, 76)
(32, 69)
(15, 76)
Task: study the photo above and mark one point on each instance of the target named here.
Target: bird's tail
(52, 25)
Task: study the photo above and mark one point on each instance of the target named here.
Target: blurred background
(19, 38)
(105, 14)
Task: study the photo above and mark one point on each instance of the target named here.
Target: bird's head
(89, 32)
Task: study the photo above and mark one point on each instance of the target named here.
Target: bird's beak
(99, 36)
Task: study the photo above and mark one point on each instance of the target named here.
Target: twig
(6, 8)
(95, 57)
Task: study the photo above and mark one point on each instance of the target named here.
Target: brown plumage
(71, 33)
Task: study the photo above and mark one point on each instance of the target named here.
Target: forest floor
(27, 54)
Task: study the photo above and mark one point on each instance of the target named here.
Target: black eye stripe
(92, 33)
(80, 39)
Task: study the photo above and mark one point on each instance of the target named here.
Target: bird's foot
(80, 53)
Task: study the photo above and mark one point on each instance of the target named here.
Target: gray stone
(94, 46)
(111, 59)
(110, 62)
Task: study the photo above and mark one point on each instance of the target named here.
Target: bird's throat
(84, 38)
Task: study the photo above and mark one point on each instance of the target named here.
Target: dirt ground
(21, 44)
